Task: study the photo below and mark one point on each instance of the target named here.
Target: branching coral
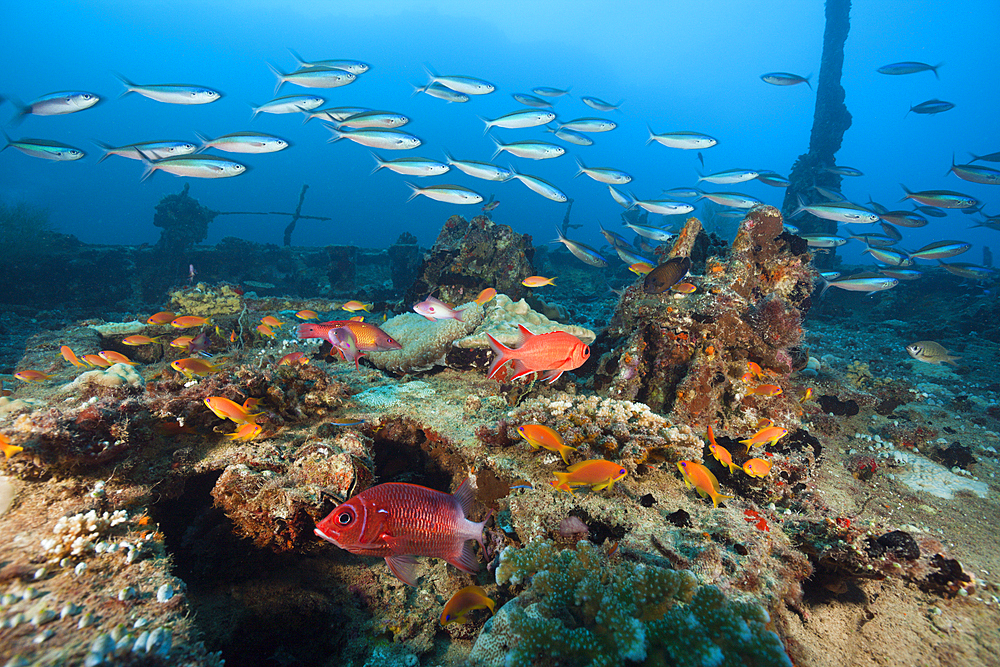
(580, 609)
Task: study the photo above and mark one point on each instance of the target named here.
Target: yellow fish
(806, 395)
(31, 376)
(539, 435)
(113, 357)
(69, 356)
(538, 281)
(138, 339)
(641, 268)
(702, 480)
(307, 315)
(757, 467)
(486, 295)
(353, 306)
(271, 321)
(193, 367)
(598, 474)
(246, 432)
(227, 409)
(265, 330)
(720, 453)
(464, 601)
(769, 435)
(9, 450)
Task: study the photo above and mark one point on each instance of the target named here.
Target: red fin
(464, 559)
(404, 567)
(552, 376)
(501, 351)
(466, 496)
(525, 334)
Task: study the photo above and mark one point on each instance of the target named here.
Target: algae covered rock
(425, 342)
(206, 300)
(503, 315)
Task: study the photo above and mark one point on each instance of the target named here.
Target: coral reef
(207, 301)
(425, 342)
(580, 608)
(470, 256)
(503, 315)
(687, 354)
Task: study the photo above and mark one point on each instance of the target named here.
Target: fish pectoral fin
(404, 567)
(465, 558)
(552, 376)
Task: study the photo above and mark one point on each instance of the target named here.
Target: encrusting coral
(425, 342)
(503, 315)
(580, 608)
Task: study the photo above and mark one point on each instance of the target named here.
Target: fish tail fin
(336, 132)
(489, 124)
(460, 315)
(279, 75)
(935, 70)
(975, 157)
(254, 110)
(807, 81)
(298, 59)
(379, 162)
(431, 74)
(499, 145)
(953, 165)
(501, 352)
(801, 206)
(716, 497)
(22, 111)
(6, 141)
(129, 86)
(652, 135)
(416, 190)
(581, 168)
(149, 164)
(107, 148)
(907, 191)
(204, 141)
(562, 452)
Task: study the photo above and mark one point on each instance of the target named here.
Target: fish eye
(345, 518)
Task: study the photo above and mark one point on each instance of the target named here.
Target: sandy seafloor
(854, 621)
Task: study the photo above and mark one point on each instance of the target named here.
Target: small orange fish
(641, 268)
(113, 357)
(68, 355)
(354, 306)
(307, 315)
(538, 281)
(294, 359)
(757, 467)
(702, 480)
(138, 339)
(265, 330)
(161, 318)
(765, 390)
(764, 422)
(464, 601)
(683, 288)
(271, 321)
(486, 295)
(227, 409)
(358, 318)
(31, 376)
(97, 360)
(188, 321)
(182, 342)
(766, 436)
(193, 367)
(232, 336)
(551, 353)
(598, 474)
(806, 395)
(720, 453)
(9, 450)
(245, 433)
(539, 435)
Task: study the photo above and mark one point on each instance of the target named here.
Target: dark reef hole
(407, 452)
(255, 606)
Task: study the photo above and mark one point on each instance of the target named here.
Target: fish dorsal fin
(404, 567)
(525, 334)
(465, 496)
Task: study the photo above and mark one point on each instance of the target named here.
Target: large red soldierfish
(551, 353)
(368, 336)
(399, 521)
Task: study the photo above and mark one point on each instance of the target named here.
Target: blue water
(678, 66)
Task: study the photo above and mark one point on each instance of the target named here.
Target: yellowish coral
(206, 301)
(425, 342)
(502, 317)
(859, 375)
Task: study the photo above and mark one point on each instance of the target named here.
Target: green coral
(579, 609)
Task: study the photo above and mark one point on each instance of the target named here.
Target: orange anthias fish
(246, 432)
(182, 342)
(753, 370)
(138, 339)
(227, 409)
(161, 318)
(720, 453)
(486, 295)
(97, 360)
(641, 268)
(354, 306)
(683, 288)
(271, 321)
(769, 435)
(765, 390)
(757, 467)
(399, 521)
(294, 359)
(702, 480)
(9, 450)
(68, 355)
(538, 281)
(552, 353)
(307, 315)
(113, 357)
(598, 474)
(265, 330)
(539, 435)
(31, 376)
(806, 395)
(368, 336)
(464, 601)
(188, 321)
(193, 367)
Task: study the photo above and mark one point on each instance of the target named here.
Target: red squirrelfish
(551, 353)
(399, 521)
(368, 336)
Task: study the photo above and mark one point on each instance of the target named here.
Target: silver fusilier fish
(244, 142)
(571, 136)
(352, 66)
(375, 119)
(520, 119)
(941, 198)
(861, 282)
(931, 107)
(603, 174)
(785, 79)
(392, 140)
(589, 125)
(599, 104)
(289, 104)
(550, 92)
(171, 93)
(313, 77)
(467, 85)
(540, 186)
(684, 140)
(909, 68)
(194, 166)
(731, 199)
(441, 93)
(153, 150)
(730, 176)
(529, 149)
(450, 194)
(581, 251)
(941, 250)
(411, 166)
(531, 101)
(44, 149)
(57, 104)
(482, 170)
